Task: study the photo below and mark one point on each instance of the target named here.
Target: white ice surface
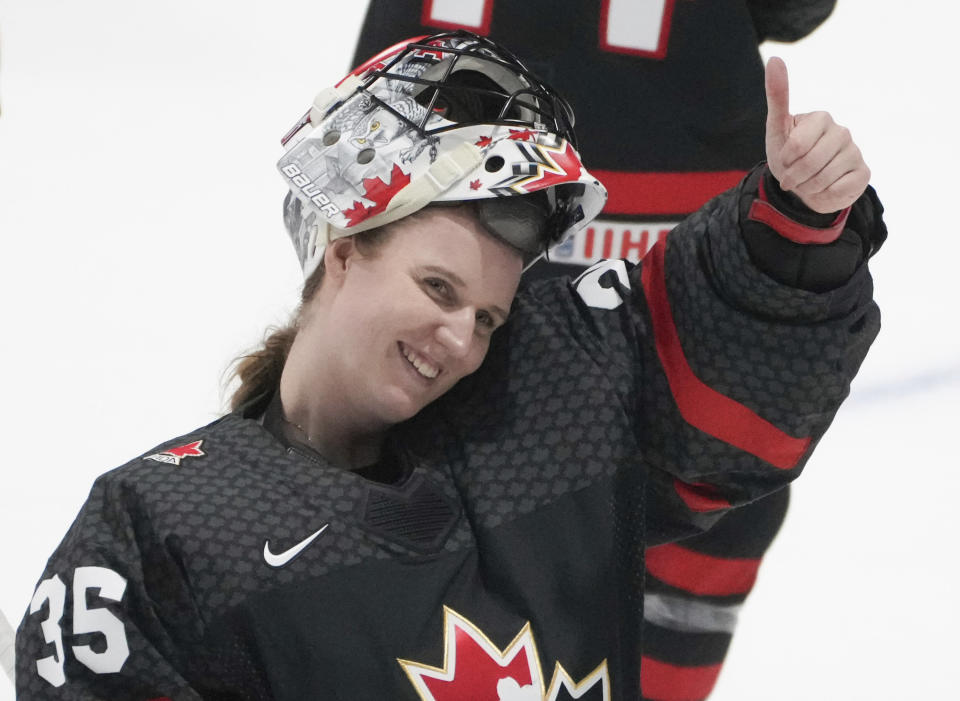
(141, 249)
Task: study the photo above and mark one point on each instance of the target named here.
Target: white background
(141, 249)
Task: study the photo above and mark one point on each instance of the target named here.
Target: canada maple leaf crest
(475, 184)
(173, 456)
(378, 192)
(474, 668)
(483, 142)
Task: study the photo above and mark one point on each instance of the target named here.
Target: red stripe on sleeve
(663, 193)
(700, 405)
(766, 213)
(700, 497)
(762, 211)
(701, 574)
(666, 682)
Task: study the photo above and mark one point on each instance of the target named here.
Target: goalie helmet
(444, 119)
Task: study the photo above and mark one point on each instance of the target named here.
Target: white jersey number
(53, 592)
(466, 14)
(640, 27)
(110, 586)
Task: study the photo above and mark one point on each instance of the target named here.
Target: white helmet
(448, 118)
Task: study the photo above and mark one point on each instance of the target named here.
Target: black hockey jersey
(635, 404)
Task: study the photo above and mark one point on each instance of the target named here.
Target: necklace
(298, 433)
(300, 429)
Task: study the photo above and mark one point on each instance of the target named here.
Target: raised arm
(761, 311)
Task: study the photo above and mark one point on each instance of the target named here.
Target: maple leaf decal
(483, 142)
(190, 450)
(475, 184)
(379, 192)
(522, 135)
(173, 456)
(475, 668)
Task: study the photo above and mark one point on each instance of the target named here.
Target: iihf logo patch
(475, 668)
(173, 456)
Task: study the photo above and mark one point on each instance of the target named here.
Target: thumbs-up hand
(810, 154)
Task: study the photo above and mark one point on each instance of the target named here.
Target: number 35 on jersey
(47, 608)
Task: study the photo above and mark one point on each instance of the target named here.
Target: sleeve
(735, 375)
(804, 249)
(788, 20)
(105, 618)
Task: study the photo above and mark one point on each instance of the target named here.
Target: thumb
(779, 119)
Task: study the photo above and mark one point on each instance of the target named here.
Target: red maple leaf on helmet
(483, 141)
(522, 134)
(475, 184)
(357, 213)
(379, 192)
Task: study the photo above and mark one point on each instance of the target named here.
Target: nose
(456, 331)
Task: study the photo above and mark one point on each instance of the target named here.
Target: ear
(337, 258)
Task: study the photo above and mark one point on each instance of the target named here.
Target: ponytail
(259, 371)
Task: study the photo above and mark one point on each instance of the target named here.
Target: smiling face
(390, 332)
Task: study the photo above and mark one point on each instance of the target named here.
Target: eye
(485, 320)
(437, 286)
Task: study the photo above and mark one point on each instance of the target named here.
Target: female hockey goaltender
(432, 487)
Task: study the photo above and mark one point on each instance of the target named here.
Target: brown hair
(259, 370)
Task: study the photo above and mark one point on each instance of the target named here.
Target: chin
(397, 406)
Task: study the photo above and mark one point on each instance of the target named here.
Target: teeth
(422, 366)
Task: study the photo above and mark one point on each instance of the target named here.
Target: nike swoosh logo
(280, 559)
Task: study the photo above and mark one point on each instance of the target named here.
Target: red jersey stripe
(666, 682)
(700, 405)
(701, 498)
(764, 212)
(700, 574)
(663, 193)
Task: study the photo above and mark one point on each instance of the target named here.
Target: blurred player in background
(670, 109)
